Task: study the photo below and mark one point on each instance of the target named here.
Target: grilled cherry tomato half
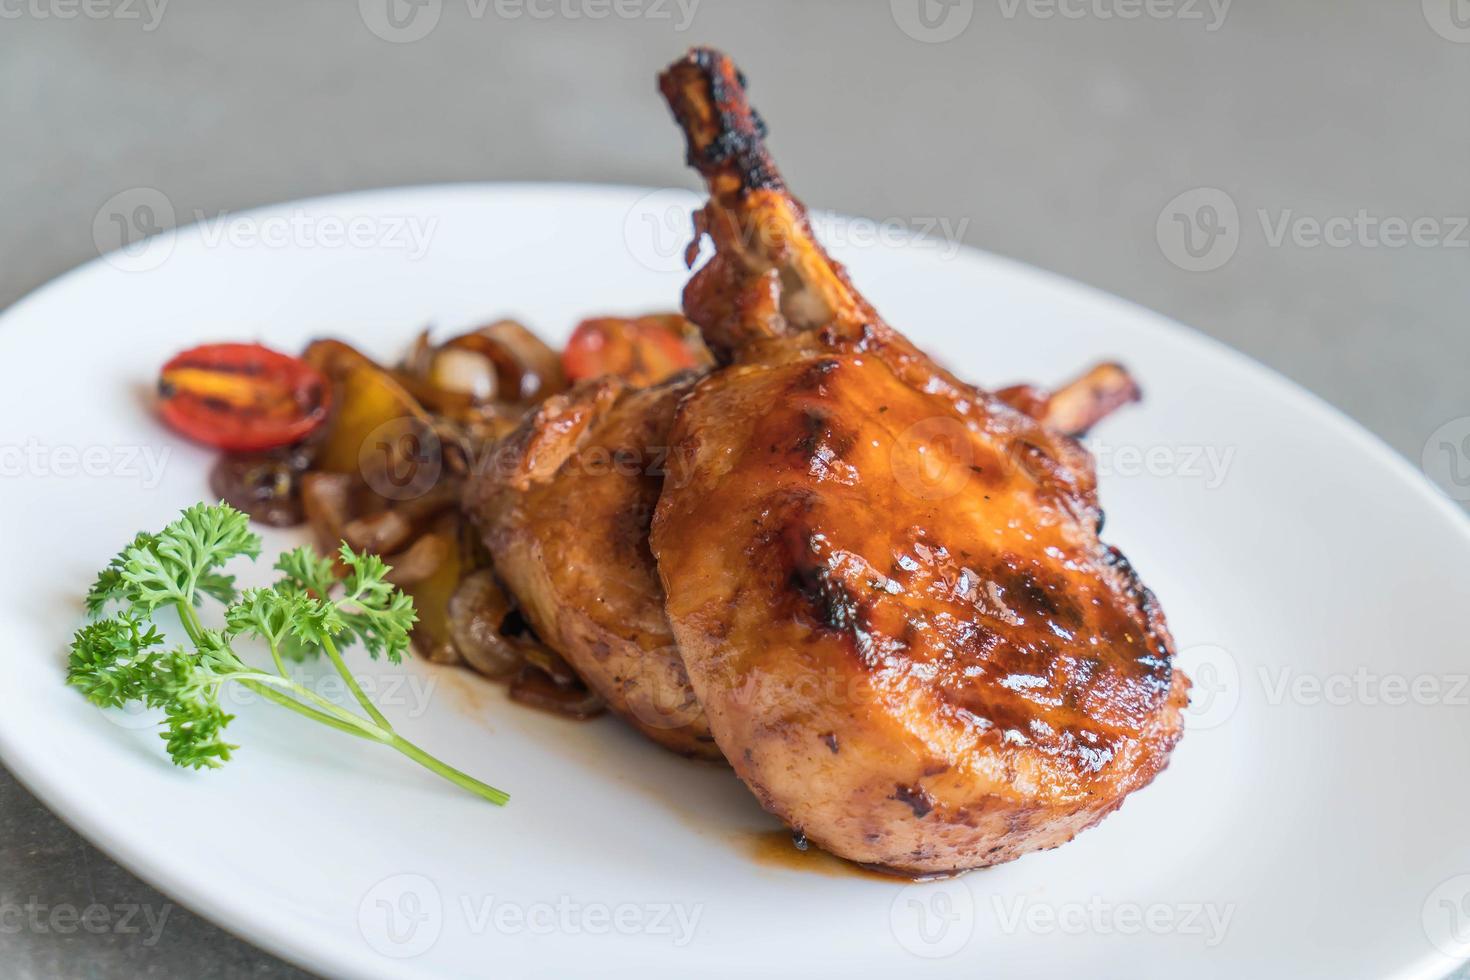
(242, 397)
(642, 351)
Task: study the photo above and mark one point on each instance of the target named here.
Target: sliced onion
(552, 665)
(533, 688)
(420, 560)
(477, 615)
(416, 361)
(465, 372)
(442, 496)
(326, 500)
(380, 533)
(435, 652)
(437, 400)
(527, 369)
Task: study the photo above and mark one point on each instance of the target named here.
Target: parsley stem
(362, 698)
(263, 684)
(272, 683)
(333, 717)
(276, 656)
(190, 619)
(463, 780)
(379, 733)
(286, 701)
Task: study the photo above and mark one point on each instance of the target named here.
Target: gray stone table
(1061, 132)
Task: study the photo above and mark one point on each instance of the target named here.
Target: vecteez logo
(1450, 19)
(933, 920)
(932, 21)
(404, 916)
(401, 916)
(401, 21)
(1199, 230)
(1446, 458)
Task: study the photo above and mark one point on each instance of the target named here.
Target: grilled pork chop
(886, 586)
(564, 508)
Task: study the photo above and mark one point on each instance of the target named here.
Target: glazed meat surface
(564, 505)
(886, 586)
(565, 508)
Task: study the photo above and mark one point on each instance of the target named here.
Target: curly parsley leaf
(183, 559)
(363, 607)
(112, 660)
(179, 564)
(373, 609)
(194, 721)
(307, 571)
(110, 586)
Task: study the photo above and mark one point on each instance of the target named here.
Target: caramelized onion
(552, 665)
(464, 372)
(437, 400)
(419, 561)
(533, 688)
(326, 501)
(433, 650)
(416, 361)
(526, 369)
(379, 533)
(478, 611)
(443, 496)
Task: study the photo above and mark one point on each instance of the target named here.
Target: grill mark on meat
(812, 379)
(820, 439)
(828, 602)
(1143, 598)
(988, 677)
(816, 593)
(915, 797)
(834, 607)
(1034, 596)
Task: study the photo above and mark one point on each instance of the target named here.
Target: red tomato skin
(291, 399)
(627, 347)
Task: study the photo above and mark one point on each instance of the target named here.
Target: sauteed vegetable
(378, 455)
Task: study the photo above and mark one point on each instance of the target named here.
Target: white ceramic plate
(1312, 820)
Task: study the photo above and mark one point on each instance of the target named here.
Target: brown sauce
(779, 849)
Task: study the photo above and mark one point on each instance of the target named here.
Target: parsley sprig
(124, 658)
